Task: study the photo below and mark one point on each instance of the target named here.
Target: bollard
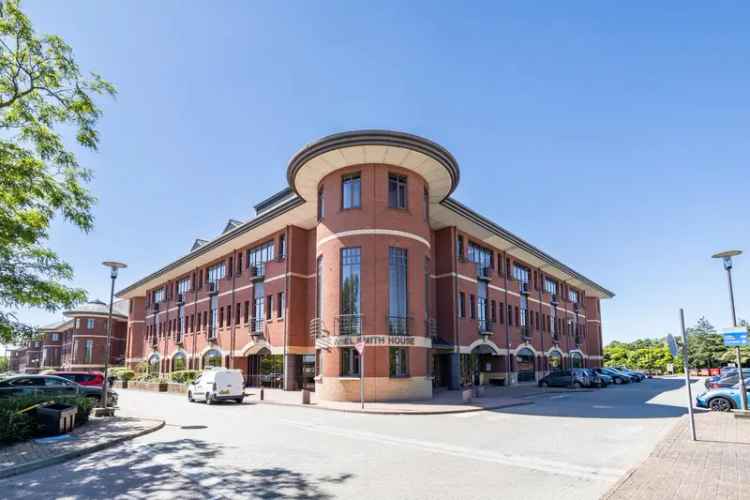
(261, 394)
(305, 397)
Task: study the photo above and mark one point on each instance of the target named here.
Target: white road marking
(470, 414)
(558, 397)
(524, 461)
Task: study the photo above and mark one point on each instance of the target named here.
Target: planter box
(177, 388)
(121, 384)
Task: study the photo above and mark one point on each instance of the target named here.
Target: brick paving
(715, 466)
(97, 433)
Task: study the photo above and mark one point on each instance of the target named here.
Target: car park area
(576, 444)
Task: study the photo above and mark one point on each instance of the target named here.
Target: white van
(217, 384)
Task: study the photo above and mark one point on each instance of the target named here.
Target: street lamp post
(113, 266)
(726, 258)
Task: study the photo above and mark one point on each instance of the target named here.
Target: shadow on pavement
(615, 401)
(184, 468)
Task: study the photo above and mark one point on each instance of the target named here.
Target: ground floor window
(555, 361)
(349, 362)
(526, 369)
(178, 362)
(212, 359)
(399, 362)
(153, 365)
(576, 360)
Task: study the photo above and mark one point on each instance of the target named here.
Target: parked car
(577, 377)
(82, 378)
(617, 377)
(723, 399)
(26, 385)
(600, 380)
(727, 378)
(634, 376)
(217, 384)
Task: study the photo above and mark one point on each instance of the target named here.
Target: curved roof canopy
(99, 308)
(316, 160)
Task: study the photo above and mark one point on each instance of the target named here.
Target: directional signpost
(673, 349)
(360, 347)
(736, 336)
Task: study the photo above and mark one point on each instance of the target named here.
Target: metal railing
(431, 327)
(486, 326)
(399, 325)
(484, 272)
(258, 271)
(348, 324)
(257, 327)
(526, 332)
(317, 328)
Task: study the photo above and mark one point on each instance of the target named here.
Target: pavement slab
(97, 434)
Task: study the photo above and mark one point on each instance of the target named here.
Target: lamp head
(114, 266)
(726, 257)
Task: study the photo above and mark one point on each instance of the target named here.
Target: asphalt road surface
(564, 446)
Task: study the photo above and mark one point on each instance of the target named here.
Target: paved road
(565, 446)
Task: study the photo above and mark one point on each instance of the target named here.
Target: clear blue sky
(613, 135)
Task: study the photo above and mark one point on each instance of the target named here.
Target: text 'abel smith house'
(366, 244)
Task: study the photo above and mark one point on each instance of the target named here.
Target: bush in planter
(122, 373)
(18, 426)
(184, 376)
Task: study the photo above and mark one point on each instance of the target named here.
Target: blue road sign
(735, 337)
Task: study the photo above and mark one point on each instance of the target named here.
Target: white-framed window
(90, 324)
(520, 273)
(351, 188)
(78, 323)
(184, 285)
(88, 352)
(550, 286)
(258, 256)
(160, 295)
(55, 337)
(573, 296)
(217, 272)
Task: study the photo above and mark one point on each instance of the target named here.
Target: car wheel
(190, 397)
(577, 385)
(543, 383)
(720, 404)
(618, 381)
(209, 398)
(239, 400)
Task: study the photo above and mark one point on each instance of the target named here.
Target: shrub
(16, 425)
(122, 373)
(183, 376)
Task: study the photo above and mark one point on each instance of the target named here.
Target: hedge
(184, 376)
(19, 426)
(122, 373)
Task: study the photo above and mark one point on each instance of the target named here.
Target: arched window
(153, 365)
(576, 360)
(526, 366)
(555, 361)
(212, 358)
(179, 361)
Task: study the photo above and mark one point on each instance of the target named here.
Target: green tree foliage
(706, 349)
(42, 90)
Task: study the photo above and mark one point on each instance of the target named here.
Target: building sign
(374, 341)
(735, 337)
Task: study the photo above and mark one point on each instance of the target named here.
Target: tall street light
(113, 266)
(726, 257)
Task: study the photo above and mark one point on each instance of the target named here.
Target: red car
(83, 378)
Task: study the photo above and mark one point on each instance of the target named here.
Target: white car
(217, 384)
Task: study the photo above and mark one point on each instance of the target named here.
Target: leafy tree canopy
(42, 90)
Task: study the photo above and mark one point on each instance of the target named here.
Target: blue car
(722, 399)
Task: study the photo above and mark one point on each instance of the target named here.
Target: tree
(705, 346)
(41, 88)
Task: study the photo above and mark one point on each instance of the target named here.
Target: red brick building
(366, 244)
